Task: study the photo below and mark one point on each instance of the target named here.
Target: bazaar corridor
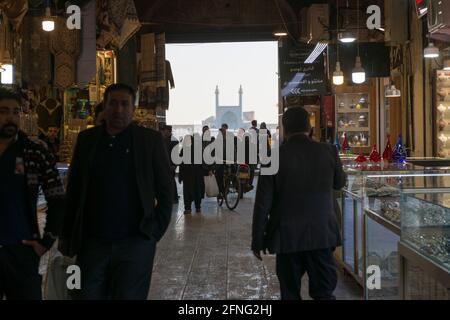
(208, 256)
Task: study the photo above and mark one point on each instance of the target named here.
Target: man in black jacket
(119, 198)
(24, 167)
(294, 215)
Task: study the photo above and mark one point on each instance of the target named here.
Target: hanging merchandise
(65, 46)
(399, 155)
(117, 22)
(375, 155)
(148, 77)
(155, 74)
(36, 63)
(15, 11)
(106, 72)
(163, 92)
(387, 154)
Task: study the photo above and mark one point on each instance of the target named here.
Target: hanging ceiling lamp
(48, 23)
(358, 74)
(338, 75)
(431, 51)
(346, 36)
(392, 91)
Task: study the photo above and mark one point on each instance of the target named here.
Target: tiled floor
(207, 256)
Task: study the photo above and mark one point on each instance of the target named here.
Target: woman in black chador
(192, 176)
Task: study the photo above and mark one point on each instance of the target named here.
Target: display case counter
(425, 245)
(382, 224)
(350, 205)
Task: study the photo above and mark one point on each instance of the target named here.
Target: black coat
(192, 175)
(153, 178)
(294, 209)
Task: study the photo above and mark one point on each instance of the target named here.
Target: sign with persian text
(298, 78)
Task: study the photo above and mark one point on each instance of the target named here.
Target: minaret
(217, 97)
(241, 92)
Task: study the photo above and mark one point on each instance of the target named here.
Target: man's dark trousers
(19, 273)
(320, 267)
(119, 270)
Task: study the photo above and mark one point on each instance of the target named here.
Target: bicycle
(232, 187)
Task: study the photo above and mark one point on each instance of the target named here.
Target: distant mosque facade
(231, 115)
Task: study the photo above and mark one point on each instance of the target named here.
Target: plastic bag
(56, 278)
(211, 187)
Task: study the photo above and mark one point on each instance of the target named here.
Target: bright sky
(198, 68)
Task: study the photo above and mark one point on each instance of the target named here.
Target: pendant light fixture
(431, 51)
(358, 74)
(392, 91)
(338, 75)
(346, 36)
(48, 23)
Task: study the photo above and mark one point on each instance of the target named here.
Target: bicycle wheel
(232, 192)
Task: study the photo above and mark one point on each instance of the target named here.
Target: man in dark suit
(119, 198)
(294, 215)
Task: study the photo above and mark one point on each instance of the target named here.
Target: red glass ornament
(375, 155)
(361, 159)
(387, 154)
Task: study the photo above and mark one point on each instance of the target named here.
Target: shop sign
(298, 78)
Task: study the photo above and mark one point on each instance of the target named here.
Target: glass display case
(353, 118)
(442, 111)
(425, 244)
(351, 206)
(426, 225)
(382, 224)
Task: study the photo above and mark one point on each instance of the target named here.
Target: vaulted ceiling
(223, 20)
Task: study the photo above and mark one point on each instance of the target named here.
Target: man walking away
(119, 198)
(170, 145)
(24, 167)
(294, 211)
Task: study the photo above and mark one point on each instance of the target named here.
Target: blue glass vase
(399, 154)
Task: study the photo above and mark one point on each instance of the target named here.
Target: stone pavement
(207, 256)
